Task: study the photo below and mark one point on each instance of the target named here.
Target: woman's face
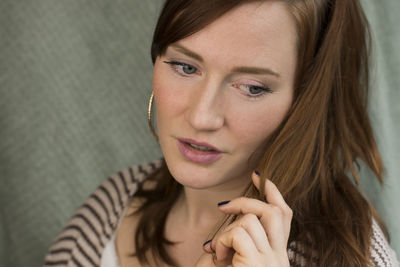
(225, 89)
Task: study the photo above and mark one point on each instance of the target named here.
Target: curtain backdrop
(75, 77)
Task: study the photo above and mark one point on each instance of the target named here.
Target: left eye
(188, 69)
(253, 90)
(182, 68)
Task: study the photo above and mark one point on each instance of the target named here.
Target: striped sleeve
(84, 237)
(382, 254)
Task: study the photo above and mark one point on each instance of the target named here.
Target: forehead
(255, 33)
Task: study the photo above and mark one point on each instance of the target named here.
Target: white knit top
(88, 239)
(381, 252)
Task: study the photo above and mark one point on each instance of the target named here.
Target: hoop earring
(149, 116)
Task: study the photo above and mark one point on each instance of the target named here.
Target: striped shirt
(91, 228)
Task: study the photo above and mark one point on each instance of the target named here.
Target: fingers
(274, 216)
(262, 228)
(273, 196)
(274, 223)
(235, 241)
(251, 224)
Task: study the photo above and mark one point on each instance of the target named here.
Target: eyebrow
(187, 52)
(240, 69)
(255, 70)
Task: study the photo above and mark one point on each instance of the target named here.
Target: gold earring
(149, 116)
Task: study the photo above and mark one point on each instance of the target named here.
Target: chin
(193, 176)
(197, 181)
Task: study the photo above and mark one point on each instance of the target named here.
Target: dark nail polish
(223, 203)
(256, 172)
(205, 243)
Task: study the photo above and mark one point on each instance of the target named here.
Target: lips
(201, 145)
(198, 152)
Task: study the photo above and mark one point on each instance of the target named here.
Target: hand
(257, 238)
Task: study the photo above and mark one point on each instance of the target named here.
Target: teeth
(201, 148)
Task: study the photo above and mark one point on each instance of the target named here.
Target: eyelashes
(249, 90)
(253, 90)
(182, 68)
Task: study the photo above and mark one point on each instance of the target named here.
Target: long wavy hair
(313, 156)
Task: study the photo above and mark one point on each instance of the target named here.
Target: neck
(198, 208)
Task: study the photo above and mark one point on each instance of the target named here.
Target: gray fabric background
(75, 77)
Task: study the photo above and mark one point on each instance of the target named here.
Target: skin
(258, 238)
(212, 105)
(206, 100)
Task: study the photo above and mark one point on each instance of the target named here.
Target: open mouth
(199, 152)
(201, 148)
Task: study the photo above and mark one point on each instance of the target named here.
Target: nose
(206, 112)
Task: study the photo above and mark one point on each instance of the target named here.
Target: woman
(261, 116)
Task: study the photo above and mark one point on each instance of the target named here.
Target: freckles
(260, 129)
(249, 129)
(253, 127)
(167, 100)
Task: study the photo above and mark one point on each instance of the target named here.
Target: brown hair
(313, 155)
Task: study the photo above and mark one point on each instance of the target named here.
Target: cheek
(258, 123)
(170, 99)
(167, 101)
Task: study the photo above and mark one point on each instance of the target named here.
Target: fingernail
(205, 243)
(223, 203)
(256, 172)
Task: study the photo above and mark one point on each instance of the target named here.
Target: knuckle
(250, 218)
(289, 212)
(241, 199)
(277, 211)
(237, 231)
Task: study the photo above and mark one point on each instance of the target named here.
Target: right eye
(182, 68)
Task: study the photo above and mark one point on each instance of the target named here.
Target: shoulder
(83, 239)
(381, 252)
